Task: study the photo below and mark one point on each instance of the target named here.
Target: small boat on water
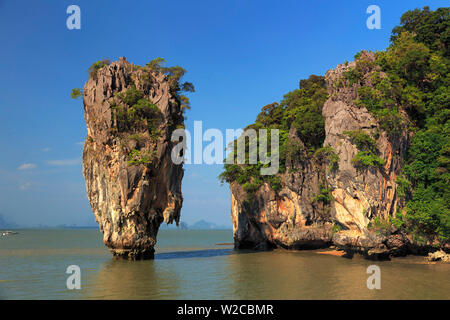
(7, 233)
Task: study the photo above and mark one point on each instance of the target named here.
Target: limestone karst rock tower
(132, 183)
(321, 202)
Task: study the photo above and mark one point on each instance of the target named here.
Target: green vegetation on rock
(135, 117)
(136, 157)
(137, 114)
(366, 157)
(362, 140)
(379, 225)
(97, 66)
(412, 75)
(406, 88)
(76, 93)
(324, 196)
(328, 154)
(300, 109)
(174, 74)
(418, 60)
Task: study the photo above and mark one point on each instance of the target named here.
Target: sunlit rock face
(132, 183)
(361, 195)
(290, 219)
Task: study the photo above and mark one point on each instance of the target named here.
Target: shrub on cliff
(362, 140)
(324, 196)
(327, 154)
(322, 200)
(130, 96)
(135, 113)
(136, 157)
(352, 76)
(174, 74)
(381, 102)
(300, 109)
(366, 157)
(97, 66)
(231, 173)
(76, 93)
(380, 225)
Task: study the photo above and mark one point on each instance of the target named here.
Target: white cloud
(65, 162)
(46, 149)
(25, 186)
(26, 166)
(80, 143)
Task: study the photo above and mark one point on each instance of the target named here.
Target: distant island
(5, 224)
(199, 225)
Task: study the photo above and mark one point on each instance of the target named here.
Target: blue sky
(240, 54)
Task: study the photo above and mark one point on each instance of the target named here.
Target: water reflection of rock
(287, 275)
(204, 253)
(120, 279)
(229, 274)
(277, 275)
(307, 275)
(166, 277)
(296, 275)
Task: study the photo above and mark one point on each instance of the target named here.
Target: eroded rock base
(133, 254)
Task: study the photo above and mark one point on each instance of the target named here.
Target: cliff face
(360, 195)
(288, 218)
(132, 183)
(292, 218)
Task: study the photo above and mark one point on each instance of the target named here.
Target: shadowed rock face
(130, 200)
(289, 218)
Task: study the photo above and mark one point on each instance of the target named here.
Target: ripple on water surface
(190, 264)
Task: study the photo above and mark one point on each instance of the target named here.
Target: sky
(240, 55)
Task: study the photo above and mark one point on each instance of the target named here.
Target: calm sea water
(191, 265)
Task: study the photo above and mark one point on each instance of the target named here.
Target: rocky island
(131, 181)
(364, 154)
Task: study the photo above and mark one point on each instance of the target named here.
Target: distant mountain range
(199, 225)
(5, 224)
